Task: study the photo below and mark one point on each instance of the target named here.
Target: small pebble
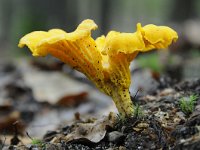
(115, 136)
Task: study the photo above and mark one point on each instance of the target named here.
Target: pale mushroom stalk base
(123, 102)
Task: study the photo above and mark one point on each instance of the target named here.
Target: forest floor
(167, 118)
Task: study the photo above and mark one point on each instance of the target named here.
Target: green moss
(187, 104)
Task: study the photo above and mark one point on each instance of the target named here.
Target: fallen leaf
(92, 131)
(72, 100)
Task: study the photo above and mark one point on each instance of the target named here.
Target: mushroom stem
(122, 100)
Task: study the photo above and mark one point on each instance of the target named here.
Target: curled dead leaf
(89, 132)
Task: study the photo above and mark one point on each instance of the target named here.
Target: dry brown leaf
(93, 131)
(72, 100)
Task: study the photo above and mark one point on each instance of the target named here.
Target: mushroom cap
(144, 39)
(37, 39)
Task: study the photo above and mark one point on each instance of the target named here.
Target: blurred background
(23, 16)
(32, 89)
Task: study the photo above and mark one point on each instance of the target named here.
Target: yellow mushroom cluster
(105, 61)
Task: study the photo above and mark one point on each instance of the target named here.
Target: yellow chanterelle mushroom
(105, 61)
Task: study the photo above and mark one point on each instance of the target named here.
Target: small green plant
(37, 142)
(187, 104)
(138, 113)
